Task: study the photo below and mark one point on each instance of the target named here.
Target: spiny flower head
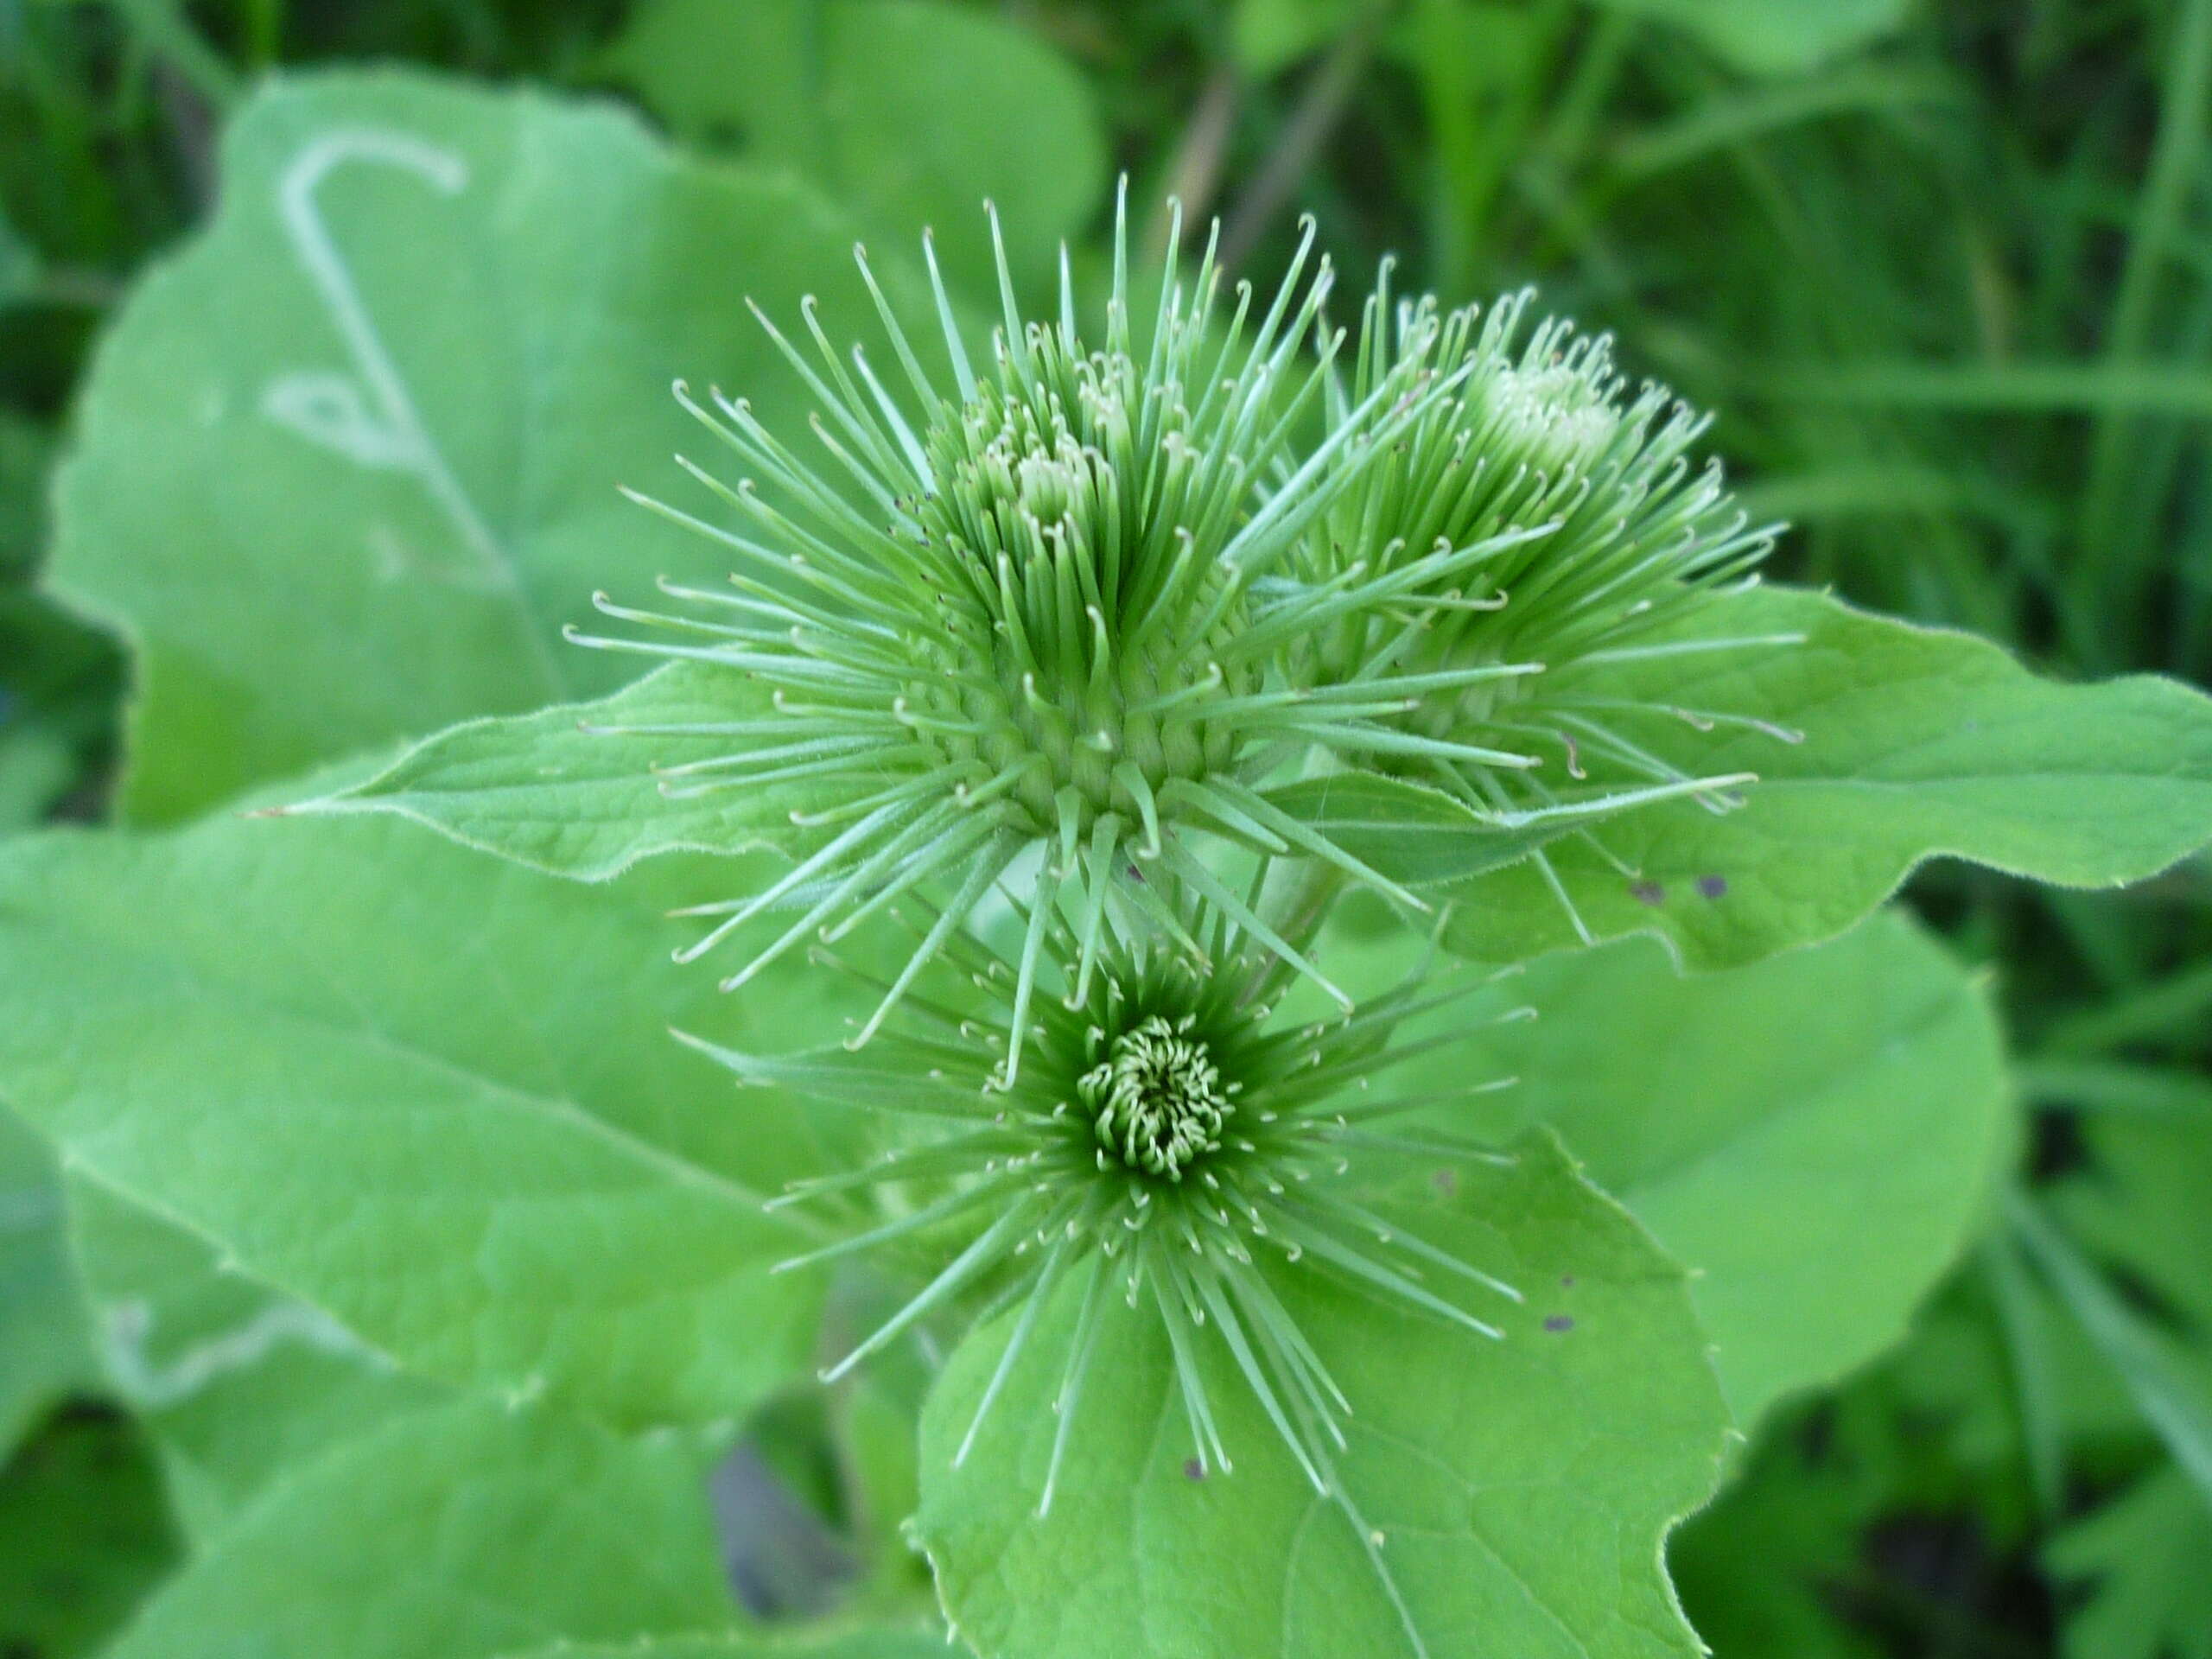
(1173, 1138)
(1533, 429)
(1031, 606)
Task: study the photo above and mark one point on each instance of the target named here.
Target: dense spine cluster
(1172, 1138)
(1602, 534)
(1040, 636)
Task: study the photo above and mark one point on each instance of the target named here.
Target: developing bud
(1596, 537)
(1170, 1134)
(1042, 609)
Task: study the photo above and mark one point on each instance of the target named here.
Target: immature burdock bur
(1043, 606)
(1534, 430)
(1172, 1139)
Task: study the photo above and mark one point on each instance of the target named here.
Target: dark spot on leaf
(1567, 1281)
(1559, 1322)
(1713, 885)
(1446, 1181)
(1647, 892)
(1193, 1469)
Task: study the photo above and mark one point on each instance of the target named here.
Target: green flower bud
(1042, 607)
(1172, 1132)
(1596, 532)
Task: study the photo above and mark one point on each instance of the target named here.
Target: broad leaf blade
(1777, 38)
(233, 1384)
(870, 1642)
(1522, 1487)
(342, 1050)
(873, 102)
(1817, 1134)
(369, 513)
(1918, 743)
(463, 1531)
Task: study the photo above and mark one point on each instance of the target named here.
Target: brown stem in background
(1196, 174)
(1319, 108)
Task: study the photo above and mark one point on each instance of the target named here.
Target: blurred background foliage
(1943, 266)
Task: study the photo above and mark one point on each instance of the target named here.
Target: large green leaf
(1505, 1498)
(1816, 1135)
(875, 102)
(45, 1340)
(1774, 37)
(1917, 743)
(430, 1093)
(346, 465)
(2142, 1558)
(234, 1383)
(463, 1531)
(868, 1643)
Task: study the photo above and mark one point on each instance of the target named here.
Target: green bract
(1598, 535)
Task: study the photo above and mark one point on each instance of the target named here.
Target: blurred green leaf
(911, 113)
(1774, 37)
(2139, 1205)
(369, 513)
(233, 1384)
(36, 767)
(26, 451)
(19, 265)
(84, 1535)
(2142, 1558)
(2170, 1386)
(45, 1350)
(465, 1530)
(334, 1047)
(1266, 35)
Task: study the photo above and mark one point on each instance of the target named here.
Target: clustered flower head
(1530, 427)
(1175, 1137)
(1042, 636)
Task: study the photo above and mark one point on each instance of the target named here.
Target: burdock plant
(1600, 531)
(1076, 677)
(1047, 604)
